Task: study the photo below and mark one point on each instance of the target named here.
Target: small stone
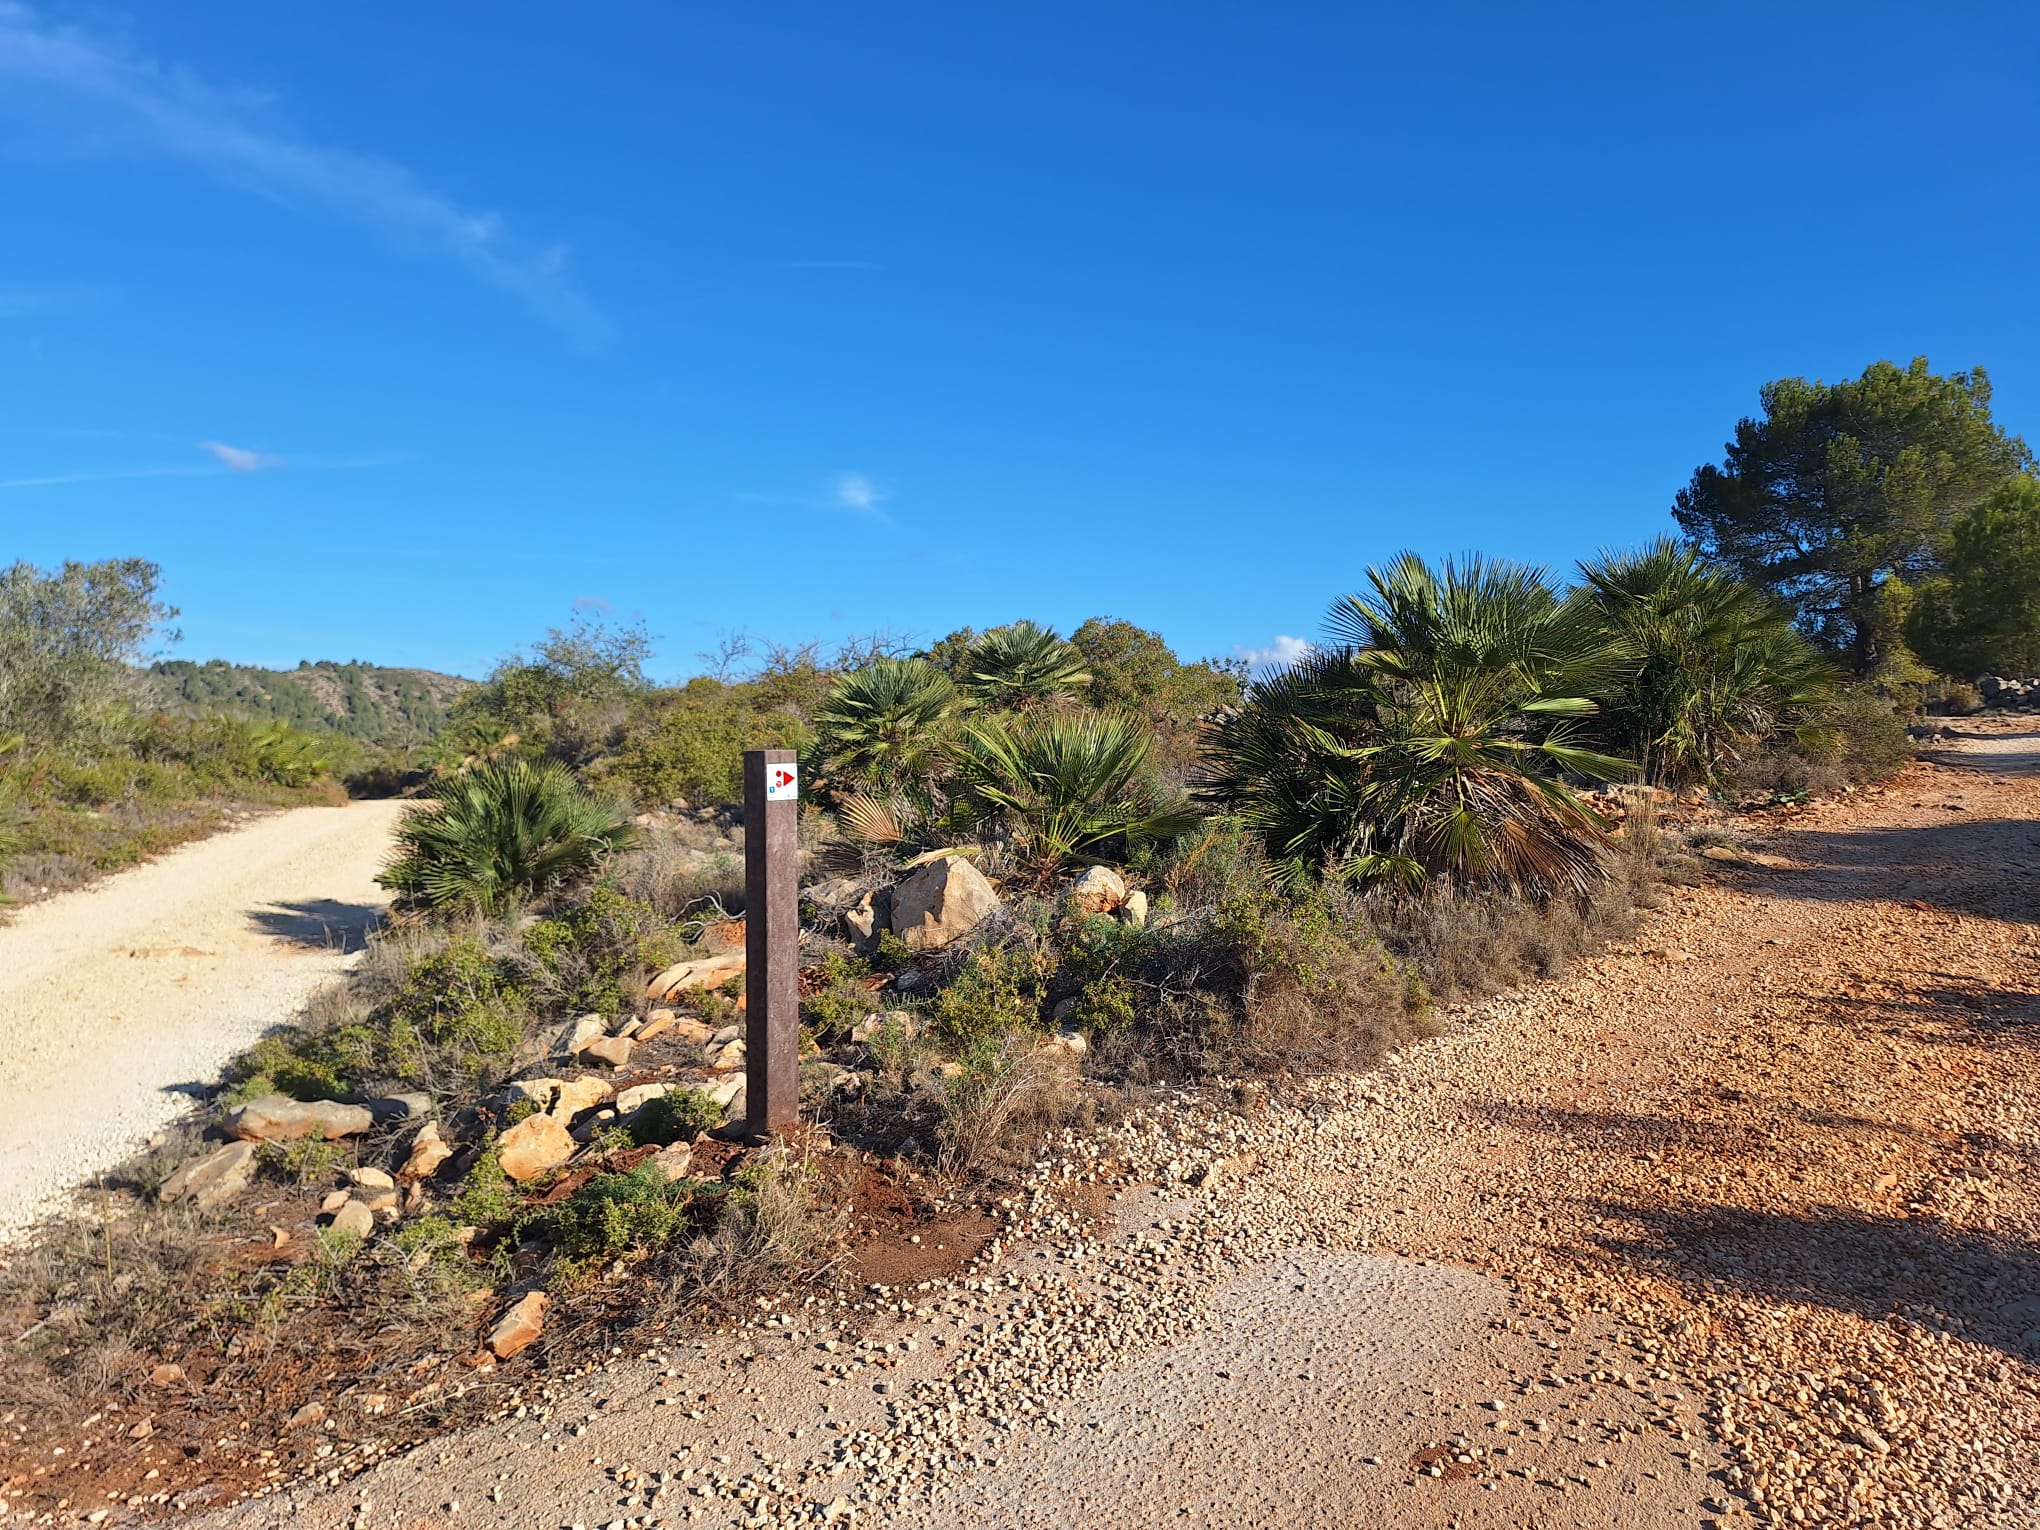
(428, 1152)
(354, 1220)
(532, 1146)
(577, 1037)
(214, 1179)
(371, 1179)
(523, 1322)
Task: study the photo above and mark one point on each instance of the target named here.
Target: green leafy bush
(489, 839)
(617, 1214)
(488, 1197)
(998, 988)
(595, 956)
(679, 1116)
(839, 997)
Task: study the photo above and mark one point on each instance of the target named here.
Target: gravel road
(1732, 1225)
(119, 1000)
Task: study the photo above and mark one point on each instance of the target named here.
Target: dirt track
(1735, 1224)
(117, 1000)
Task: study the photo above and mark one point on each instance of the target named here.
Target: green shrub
(491, 838)
(596, 956)
(488, 1197)
(840, 999)
(680, 1116)
(997, 989)
(616, 1214)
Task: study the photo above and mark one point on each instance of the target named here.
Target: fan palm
(1715, 666)
(487, 839)
(1066, 786)
(1428, 739)
(1023, 665)
(883, 724)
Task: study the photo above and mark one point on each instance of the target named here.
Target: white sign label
(782, 783)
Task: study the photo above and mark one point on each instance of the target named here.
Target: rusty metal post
(771, 940)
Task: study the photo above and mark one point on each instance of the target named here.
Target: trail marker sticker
(782, 783)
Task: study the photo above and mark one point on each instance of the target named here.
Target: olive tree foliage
(1981, 614)
(1841, 489)
(69, 640)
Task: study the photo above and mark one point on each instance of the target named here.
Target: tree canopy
(1982, 615)
(1843, 487)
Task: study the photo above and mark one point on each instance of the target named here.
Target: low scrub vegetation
(92, 776)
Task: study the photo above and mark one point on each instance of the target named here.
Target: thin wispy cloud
(228, 461)
(136, 104)
(1279, 653)
(116, 475)
(856, 492)
(238, 459)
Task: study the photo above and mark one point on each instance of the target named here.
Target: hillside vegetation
(369, 703)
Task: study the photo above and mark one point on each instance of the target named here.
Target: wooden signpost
(771, 940)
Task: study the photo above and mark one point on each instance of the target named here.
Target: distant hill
(369, 702)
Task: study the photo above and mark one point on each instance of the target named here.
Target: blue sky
(398, 332)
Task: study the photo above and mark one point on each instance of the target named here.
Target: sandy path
(1733, 1225)
(118, 1000)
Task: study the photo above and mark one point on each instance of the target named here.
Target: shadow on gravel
(321, 924)
(1974, 1285)
(2009, 762)
(1988, 868)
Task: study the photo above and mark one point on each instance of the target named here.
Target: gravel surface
(1733, 1225)
(119, 1000)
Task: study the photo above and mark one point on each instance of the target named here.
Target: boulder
(274, 1118)
(400, 1107)
(1098, 891)
(868, 918)
(214, 1179)
(353, 1220)
(630, 1101)
(942, 902)
(532, 1146)
(614, 1050)
(540, 1091)
(521, 1323)
(731, 1056)
(1135, 909)
(691, 977)
(368, 1178)
(835, 895)
(581, 1035)
(576, 1095)
(656, 1025)
(428, 1152)
(725, 1091)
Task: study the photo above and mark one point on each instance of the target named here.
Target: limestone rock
(579, 1036)
(1135, 909)
(868, 918)
(836, 894)
(726, 1090)
(273, 1118)
(656, 1025)
(731, 1056)
(371, 1179)
(574, 1096)
(614, 1050)
(1098, 891)
(674, 1161)
(353, 1219)
(521, 1323)
(428, 1152)
(940, 903)
(901, 1020)
(532, 1146)
(214, 1179)
(690, 977)
(630, 1101)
